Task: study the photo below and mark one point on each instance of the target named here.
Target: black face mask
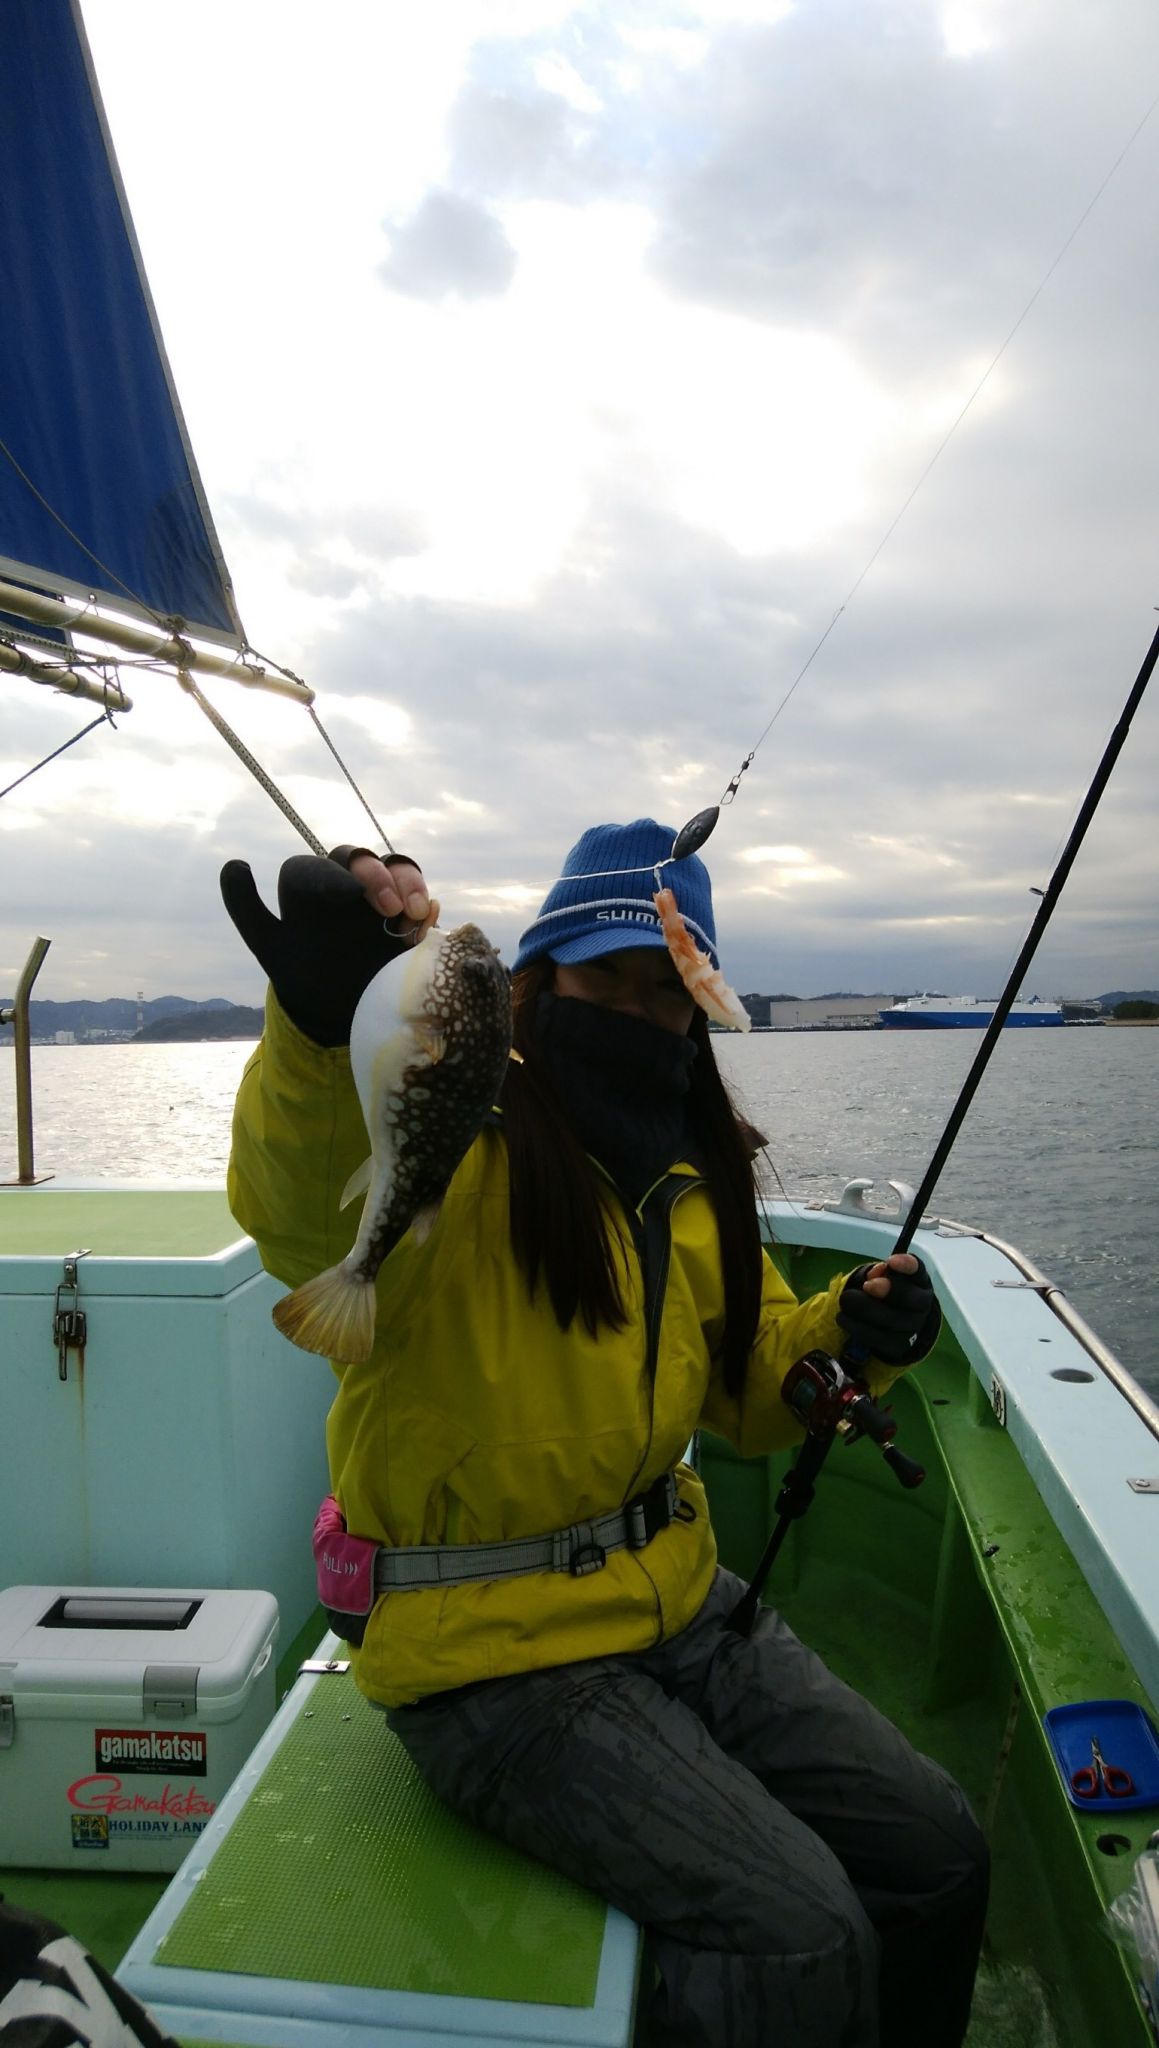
(623, 1083)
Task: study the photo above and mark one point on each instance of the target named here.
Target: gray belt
(579, 1549)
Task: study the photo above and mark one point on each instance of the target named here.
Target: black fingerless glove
(899, 1329)
(326, 946)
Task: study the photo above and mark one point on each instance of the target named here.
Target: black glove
(899, 1329)
(325, 948)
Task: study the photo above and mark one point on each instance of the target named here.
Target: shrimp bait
(704, 982)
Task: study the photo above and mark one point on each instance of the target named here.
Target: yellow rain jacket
(477, 1419)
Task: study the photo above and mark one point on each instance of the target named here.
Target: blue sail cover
(87, 407)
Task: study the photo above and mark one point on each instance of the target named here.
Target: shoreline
(849, 1030)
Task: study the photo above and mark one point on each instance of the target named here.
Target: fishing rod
(827, 1399)
(1050, 896)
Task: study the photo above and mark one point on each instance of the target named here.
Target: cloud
(678, 312)
(381, 532)
(324, 578)
(384, 532)
(449, 248)
(508, 143)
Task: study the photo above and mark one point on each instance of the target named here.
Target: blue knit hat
(603, 899)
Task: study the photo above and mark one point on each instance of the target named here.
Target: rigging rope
(243, 754)
(76, 540)
(164, 624)
(175, 627)
(350, 778)
(705, 820)
(103, 717)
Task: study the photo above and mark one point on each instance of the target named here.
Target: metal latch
(170, 1690)
(7, 1720)
(70, 1325)
(1143, 1485)
(324, 1666)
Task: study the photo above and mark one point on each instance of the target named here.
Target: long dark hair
(561, 1225)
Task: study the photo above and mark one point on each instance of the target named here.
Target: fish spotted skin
(430, 1109)
(428, 1049)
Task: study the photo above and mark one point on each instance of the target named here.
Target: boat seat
(334, 1900)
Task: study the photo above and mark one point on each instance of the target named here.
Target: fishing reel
(829, 1401)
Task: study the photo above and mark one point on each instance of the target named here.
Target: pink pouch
(344, 1563)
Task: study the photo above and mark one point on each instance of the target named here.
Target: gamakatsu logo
(152, 1749)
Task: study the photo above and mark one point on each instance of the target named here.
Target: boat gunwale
(1060, 1305)
(851, 1203)
(1080, 1454)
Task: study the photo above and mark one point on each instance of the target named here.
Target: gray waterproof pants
(806, 1878)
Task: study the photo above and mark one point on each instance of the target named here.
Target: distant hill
(229, 1020)
(183, 1018)
(116, 1013)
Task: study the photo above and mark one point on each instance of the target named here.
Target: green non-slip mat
(116, 1223)
(344, 1869)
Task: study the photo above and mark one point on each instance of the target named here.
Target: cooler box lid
(140, 1239)
(165, 1651)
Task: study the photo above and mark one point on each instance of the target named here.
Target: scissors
(1101, 1779)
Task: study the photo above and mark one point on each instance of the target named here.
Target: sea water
(1059, 1153)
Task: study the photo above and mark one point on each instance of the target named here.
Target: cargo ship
(934, 1012)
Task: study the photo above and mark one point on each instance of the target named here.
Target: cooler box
(145, 1436)
(125, 1714)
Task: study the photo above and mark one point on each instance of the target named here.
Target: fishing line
(731, 788)
(786, 1197)
(797, 1488)
(692, 836)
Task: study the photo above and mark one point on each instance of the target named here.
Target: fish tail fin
(333, 1314)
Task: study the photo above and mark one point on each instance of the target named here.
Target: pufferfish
(429, 1047)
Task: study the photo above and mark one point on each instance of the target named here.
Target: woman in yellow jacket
(547, 1622)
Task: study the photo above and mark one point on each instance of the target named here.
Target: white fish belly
(389, 1006)
(381, 1102)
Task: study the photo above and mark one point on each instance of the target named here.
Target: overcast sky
(553, 373)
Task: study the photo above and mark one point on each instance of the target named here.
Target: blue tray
(1126, 1738)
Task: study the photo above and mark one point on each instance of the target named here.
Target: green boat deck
(378, 1884)
(955, 1608)
(116, 1223)
(960, 1613)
